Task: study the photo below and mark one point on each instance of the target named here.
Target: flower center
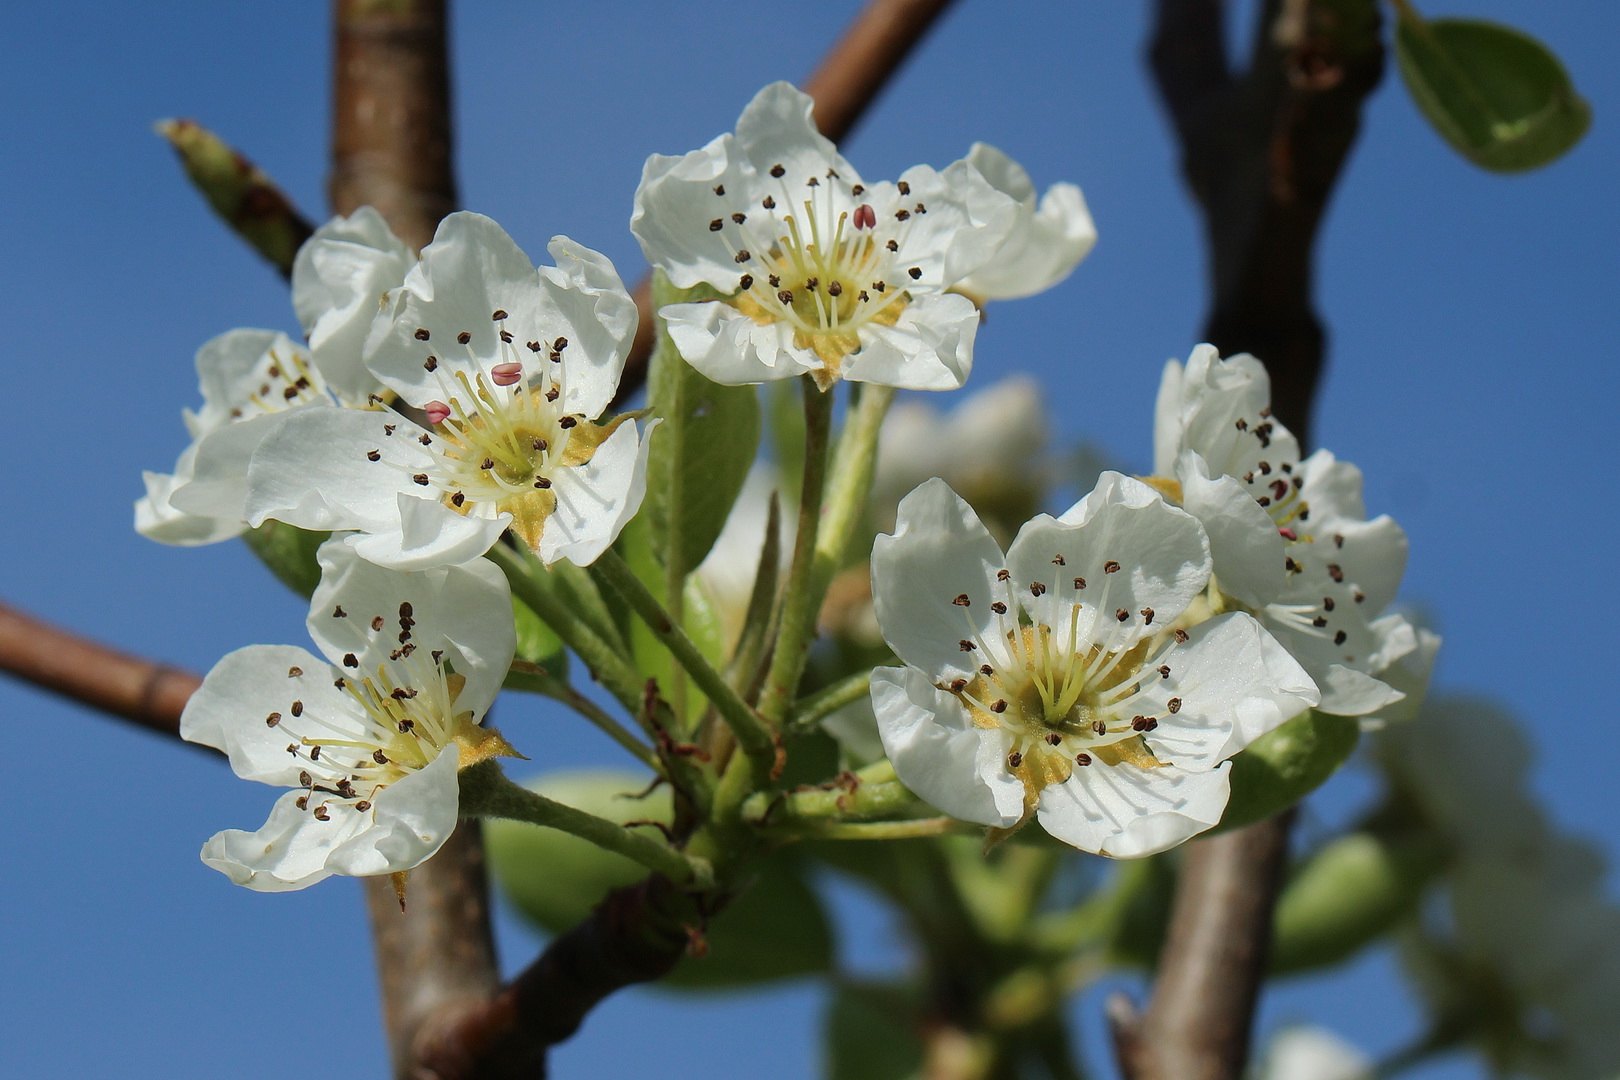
(400, 720)
(1065, 687)
(827, 264)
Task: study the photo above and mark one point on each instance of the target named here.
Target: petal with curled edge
(939, 551)
(939, 754)
(1127, 811)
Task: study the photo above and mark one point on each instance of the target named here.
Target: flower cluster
(450, 411)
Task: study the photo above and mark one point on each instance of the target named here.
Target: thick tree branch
(1261, 153)
(151, 695)
(391, 149)
(849, 78)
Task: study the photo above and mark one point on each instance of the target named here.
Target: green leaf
(774, 929)
(1346, 896)
(239, 191)
(701, 452)
(1283, 766)
(1497, 95)
(289, 553)
(873, 1032)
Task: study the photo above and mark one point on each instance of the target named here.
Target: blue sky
(1471, 318)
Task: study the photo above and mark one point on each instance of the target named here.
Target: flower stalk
(487, 792)
(537, 680)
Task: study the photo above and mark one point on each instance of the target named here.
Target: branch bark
(392, 148)
(848, 79)
(1261, 153)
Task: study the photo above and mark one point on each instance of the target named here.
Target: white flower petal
(1372, 556)
(1409, 673)
(339, 278)
(1234, 683)
(1046, 242)
(1243, 540)
(597, 499)
(427, 534)
(1221, 412)
(289, 851)
(939, 754)
(1160, 552)
(729, 348)
(218, 486)
(939, 550)
(227, 370)
(314, 472)
(590, 307)
(229, 710)
(1313, 1053)
(157, 518)
(1347, 692)
(676, 193)
(778, 128)
(1126, 812)
(1332, 486)
(410, 820)
(930, 347)
(1167, 444)
(460, 607)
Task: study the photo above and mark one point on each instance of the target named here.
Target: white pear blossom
(1048, 238)
(819, 271)
(1306, 1052)
(1052, 682)
(371, 738)
(510, 366)
(991, 449)
(249, 380)
(1290, 537)
(339, 278)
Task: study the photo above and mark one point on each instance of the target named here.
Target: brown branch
(1261, 154)
(848, 79)
(151, 695)
(391, 149)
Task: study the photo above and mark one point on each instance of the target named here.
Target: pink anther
(506, 374)
(1288, 534)
(865, 217)
(436, 411)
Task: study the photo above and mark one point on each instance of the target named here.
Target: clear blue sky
(1472, 318)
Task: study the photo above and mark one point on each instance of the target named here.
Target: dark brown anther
(1181, 636)
(1242, 424)
(506, 337)
(998, 706)
(1099, 727)
(322, 813)
(553, 394)
(717, 224)
(297, 708)
(339, 613)
(422, 334)
(379, 757)
(425, 439)
(349, 660)
(405, 725)
(538, 444)
(1014, 760)
(958, 685)
(420, 478)
(534, 346)
(742, 256)
(1121, 614)
(315, 752)
(719, 189)
(542, 483)
(999, 608)
(835, 289)
(1138, 723)
(768, 203)
(986, 669)
(811, 283)
(1058, 560)
(1265, 468)
(814, 181)
(1338, 540)
(1340, 638)
(919, 209)
(458, 500)
(498, 315)
(1319, 621)
(1336, 572)
(1147, 616)
(1174, 705)
(363, 805)
(1110, 567)
(1164, 671)
(905, 188)
(294, 671)
(1036, 588)
(464, 338)
(786, 297)
(746, 283)
(487, 463)
(302, 802)
(966, 646)
(1003, 575)
(1079, 583)
(1327, 603)
(1082, 759)
(739, 217)
(893, 245)
(863, 296)
(915, 272)
(902, 215)
(388, 429)
(272, 720)
(1358, 596)
(289, 393)
(377, 622)
(777, 172)
(567, 422)
(962, 600)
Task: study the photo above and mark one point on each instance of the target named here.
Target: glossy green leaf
(536, 642)
(1497, 95)
(701, 452)
(873, 1032)
(1346, 896)
(773, 929)
(289, 553)
(1283, 766)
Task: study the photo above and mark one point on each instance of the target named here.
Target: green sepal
(1497, 95)
(774, 928)
(1283, 766)
(289, 552)
(240, 192)
(701, 452)
(1348, 895)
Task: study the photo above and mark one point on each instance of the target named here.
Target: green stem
(807, 712)
(753, 735)
(850, 482)
(486, 792)
(537, 680)
(881, 830)
(802, 599)
(873, 792)
(607, 665)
